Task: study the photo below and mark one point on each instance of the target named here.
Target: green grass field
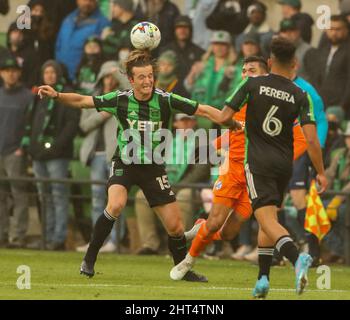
(56, 276)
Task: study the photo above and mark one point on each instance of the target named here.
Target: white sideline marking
(102, 285)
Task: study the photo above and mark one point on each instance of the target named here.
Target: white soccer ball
(145, 35)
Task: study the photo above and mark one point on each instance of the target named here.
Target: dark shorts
(152, 180)
(302, 173)
(266, 191)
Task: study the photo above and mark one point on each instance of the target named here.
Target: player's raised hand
(47, 91)
(322, 183)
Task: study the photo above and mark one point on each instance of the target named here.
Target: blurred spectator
(4, 7)
(117, 36)
(333, 79)
(14, 100)
(206, 76)
(198, 11)
(89, 66)
(178, 172)
(167, 78)
(50, 130)
(25, 55)
(105, 6)
(57, 10)
(344, 7)
(258, 25)
(99, 144)
(41, 36)
(305, 53)
(163, 14)
(81, 24)
(291, 9)
(338, 176)
(230, 16)
(335, 140)
(186, 51)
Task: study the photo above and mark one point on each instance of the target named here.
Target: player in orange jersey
(231, 204)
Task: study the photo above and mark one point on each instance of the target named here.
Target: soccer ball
(145, 35)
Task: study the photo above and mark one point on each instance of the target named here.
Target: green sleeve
(183, 104)
(107, 102)
(240, 97)
(307, 114)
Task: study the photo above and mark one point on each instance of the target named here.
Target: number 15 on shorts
(163, 182)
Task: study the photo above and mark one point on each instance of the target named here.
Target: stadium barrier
(194, 187)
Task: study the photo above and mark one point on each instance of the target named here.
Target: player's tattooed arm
(72, 100)
(223, 117)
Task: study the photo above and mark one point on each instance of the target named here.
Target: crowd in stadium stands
(80, 45)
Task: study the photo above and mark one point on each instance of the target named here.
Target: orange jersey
(236, 139)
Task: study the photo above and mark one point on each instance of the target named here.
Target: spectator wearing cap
(186, 51)
(89, 66)
(50, 131)
(86, 21)
(117, 36)
(167, 78)
(333, 62)
(179, 172)
(14, 101)
(305, 53)
(257, 25)
(291, 9)
(25, 55)
(206, 76)
(99, 143)
(198, 11)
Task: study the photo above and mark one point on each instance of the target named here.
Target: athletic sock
(177, 247)
(202, 239)
(265, 261)
(314, 246)
(301, 217)
(287, 248)
(102, 229)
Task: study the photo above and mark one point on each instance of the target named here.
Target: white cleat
(179, 271)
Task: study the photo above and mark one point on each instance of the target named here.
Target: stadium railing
(194, 187)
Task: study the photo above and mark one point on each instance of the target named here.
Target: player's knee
(176, 230)
(115, 208)
(213, 225)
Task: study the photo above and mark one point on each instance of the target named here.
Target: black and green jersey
(140, 122)
(273, 104)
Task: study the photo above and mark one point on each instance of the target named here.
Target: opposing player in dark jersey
(140, 112)
(274, 102)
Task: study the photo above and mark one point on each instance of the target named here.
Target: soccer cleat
(179, 271)
(194, 277)
(261, 289)
(87, 269)
(301, 268)
(190, 234)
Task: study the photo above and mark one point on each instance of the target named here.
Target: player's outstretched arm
(315, 153)
(223, 117)
(72, 100)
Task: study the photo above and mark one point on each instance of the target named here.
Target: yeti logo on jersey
(145, 125)
(278, 94)
(218, 185)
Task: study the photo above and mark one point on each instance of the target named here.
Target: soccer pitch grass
(56, 276)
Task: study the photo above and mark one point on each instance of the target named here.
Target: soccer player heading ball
(145, 109)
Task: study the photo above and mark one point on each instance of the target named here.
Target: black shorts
(302, 173)
(266, 191)
(152, 180)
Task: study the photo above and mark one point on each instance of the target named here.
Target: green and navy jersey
(145, 118)
(273, 104)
